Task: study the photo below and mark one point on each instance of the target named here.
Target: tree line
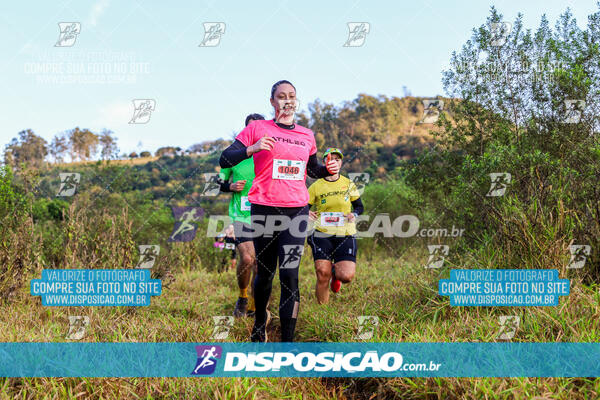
(375, 133)
(83, 145)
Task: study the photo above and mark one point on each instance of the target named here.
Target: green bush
(49, 209)
(514, 122)
(12, 201)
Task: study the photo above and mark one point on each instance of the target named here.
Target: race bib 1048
(292, 170)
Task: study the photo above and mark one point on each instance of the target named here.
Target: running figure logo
(500, 181)
(212, 34)
(437, 253)
(432, 108)
(367, 324)
(68, 183)
(499, 31)
(508, 326)
(68, 33)
(211, 187)
(148, 254)
(360, 180)
(289, 107)
(77, 325)
(292, 255)
(579, 254)
(223, 324)
(142, 110)
(357, 33)
(573, 111)
(207, 359)
(185, 228)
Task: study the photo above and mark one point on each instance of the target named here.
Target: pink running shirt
(280, 173)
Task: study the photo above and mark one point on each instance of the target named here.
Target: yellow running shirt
(332, 200)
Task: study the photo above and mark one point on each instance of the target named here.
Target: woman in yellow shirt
(336, 202)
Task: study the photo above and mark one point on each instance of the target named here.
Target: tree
(370, 128)
(58, 147)
(145, 154)
(133, 154)
(83, 144)
(209, 146)
(28, 148)
(526, 103)
(165, 151)
(522, 87)
(109, 145)
(198, 148)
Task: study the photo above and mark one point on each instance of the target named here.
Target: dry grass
(403, 298)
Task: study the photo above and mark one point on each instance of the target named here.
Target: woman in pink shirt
(283, 154)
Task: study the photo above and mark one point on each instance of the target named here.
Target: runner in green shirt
(241, 177)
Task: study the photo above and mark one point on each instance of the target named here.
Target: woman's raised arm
(233, 155)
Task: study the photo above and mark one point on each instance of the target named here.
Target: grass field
(401, 293)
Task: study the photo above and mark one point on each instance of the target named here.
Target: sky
(130, 50)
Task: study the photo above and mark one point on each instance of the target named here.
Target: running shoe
(241, 307)
(335, 283)
(259, 334)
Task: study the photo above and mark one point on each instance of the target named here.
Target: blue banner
(96, 287)
(504, 287)
(299, 359)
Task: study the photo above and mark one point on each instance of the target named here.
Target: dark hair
(253, 117)
(274, 88)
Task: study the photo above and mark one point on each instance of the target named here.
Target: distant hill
(375, 133)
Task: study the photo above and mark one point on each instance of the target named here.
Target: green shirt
(239, 211)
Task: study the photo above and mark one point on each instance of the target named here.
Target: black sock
(259, 331)
(288, 326)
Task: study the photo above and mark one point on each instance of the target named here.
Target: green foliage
(12, 200)
(83, 143)
(19, 254)
(28, 148)
(46, 209)
(374, 133)
(514, 120)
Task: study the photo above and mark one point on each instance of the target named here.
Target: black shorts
(242, 232)
(332, 248)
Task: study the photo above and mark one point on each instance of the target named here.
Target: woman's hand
(312, 215)
(350, 217)
(264, 143)
(237, 186)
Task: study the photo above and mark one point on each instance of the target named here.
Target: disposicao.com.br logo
(284, 363)
(318, 362)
